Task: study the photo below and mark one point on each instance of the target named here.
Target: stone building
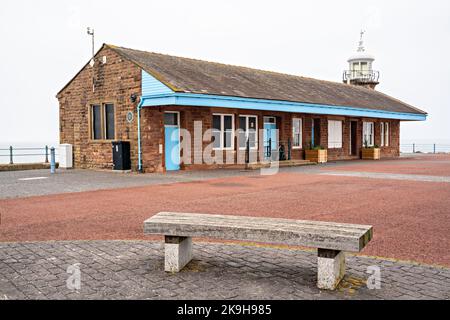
(147, 98)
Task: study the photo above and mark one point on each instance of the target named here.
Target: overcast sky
(44, 43)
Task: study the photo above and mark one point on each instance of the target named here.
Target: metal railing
(282, 152)
(361, 75)
(424, 148)
(13, 152)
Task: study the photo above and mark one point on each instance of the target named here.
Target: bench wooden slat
(271, 225)
(318, 234)
(209, 217)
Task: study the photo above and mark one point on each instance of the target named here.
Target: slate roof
(204, 77)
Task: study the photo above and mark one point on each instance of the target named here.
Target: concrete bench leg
(330, 268)
(178, 253)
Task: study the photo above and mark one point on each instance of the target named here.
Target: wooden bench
(331, 239)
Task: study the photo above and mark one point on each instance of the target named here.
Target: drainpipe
(139, 107)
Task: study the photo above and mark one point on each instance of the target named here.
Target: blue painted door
(172, 147)
(270, 139)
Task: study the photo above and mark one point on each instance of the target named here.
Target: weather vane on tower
(361, 42)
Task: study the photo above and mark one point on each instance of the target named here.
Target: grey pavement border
(389, 176)
(134, 270)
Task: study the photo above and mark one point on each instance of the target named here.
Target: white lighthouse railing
(361, 75)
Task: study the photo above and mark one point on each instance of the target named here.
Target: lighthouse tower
(360, 72)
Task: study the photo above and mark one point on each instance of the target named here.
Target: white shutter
(334, 134)
(368, 128)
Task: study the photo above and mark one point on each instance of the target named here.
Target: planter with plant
(370, 152)
(316, 154)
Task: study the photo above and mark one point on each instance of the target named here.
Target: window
(109, 122)
(171, 119)
(222, 131)
(297, 133)
(364, 66)
(216, 130)
(102, 121)
(368, 134)
(269, 119)
(248, 128)
(384, 134)
(334, 134)
(96, 122)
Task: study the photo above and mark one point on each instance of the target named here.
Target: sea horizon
(26, 156)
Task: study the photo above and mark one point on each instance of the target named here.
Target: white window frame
(247, 130)
(384, 132)
(174, 126)
(222, 131)
(299, 133)
(370, 143)
(268, 118)
(332, 127)
(178, 119)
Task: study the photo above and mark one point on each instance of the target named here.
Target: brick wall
(393, 150)
(153, 133)
(115, 81)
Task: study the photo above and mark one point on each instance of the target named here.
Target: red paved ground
(411, 219)
(431, 165)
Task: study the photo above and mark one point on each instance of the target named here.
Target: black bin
(121, 155)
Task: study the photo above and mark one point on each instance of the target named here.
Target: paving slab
(291, 273)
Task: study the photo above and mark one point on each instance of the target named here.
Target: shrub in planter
(316, 154)
(370, 152)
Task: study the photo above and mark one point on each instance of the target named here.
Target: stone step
(281, 164)
(26, 166)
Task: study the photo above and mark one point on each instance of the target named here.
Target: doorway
(270, 137)
(315, 137)
(172, 140)
(353, 138)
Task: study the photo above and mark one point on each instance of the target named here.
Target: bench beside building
(106, 99)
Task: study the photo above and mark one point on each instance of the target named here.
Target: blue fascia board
(205, 100)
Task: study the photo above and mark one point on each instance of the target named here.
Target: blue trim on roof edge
(206, 100)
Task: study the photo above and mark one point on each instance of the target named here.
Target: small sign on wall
(160, 148)
(130, 116)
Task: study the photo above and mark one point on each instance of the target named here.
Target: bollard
(414, 148)
(434, 148)
(46, 154)
(10, 155)
(52, 160)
